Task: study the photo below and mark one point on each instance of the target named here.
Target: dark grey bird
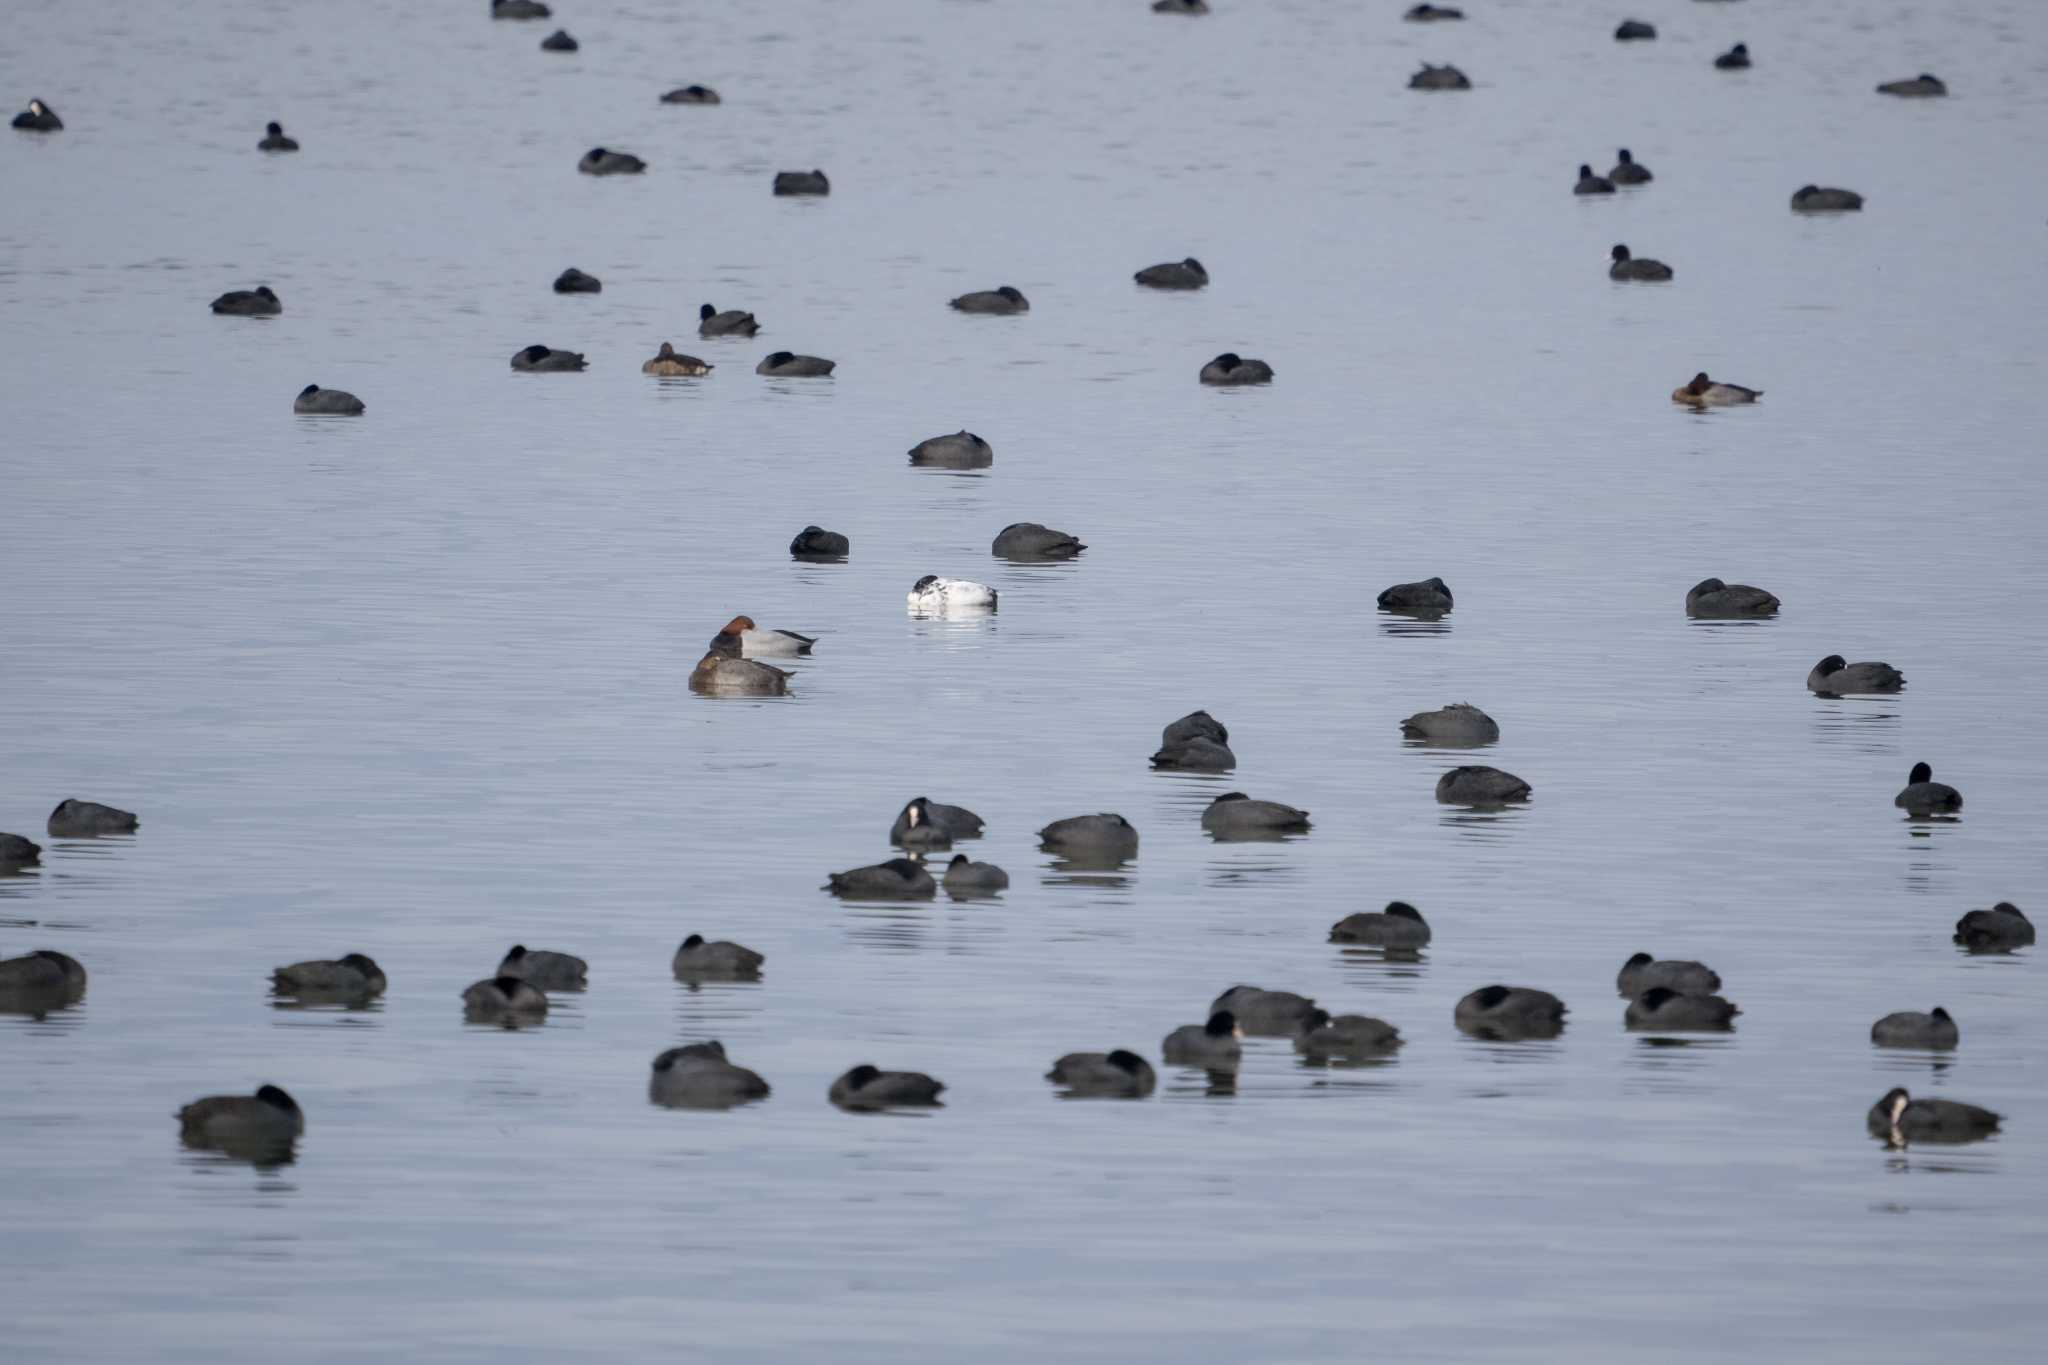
(1234, 815)
(1429, 599)
(1264, 1013)
(1711, 599)
(896, 879)
(698, 1076)
(1400, 925)
(815, 542)
(38, 118)
(965, 877)
(603, 161)
(789, 365)
(957, 822)
(730, 323)
(1090, 834)
(547, 970)
(354, 976)
(76, 819)
(1899, 1118)
(2000, 929)
(504, 1000)
(866, 1088)
(802, 182)
(1628, 171)
(1231, 369)
(1510, 1013)
(1835, 676)
(248, 1124)
(1479, 785)
(1922, 795)
(259, 302)
(314, 401)
(1031, 542)
(1663, 1010)
(1120, 1074)
(1626, 266)
(1816, 199)
(961, 450)
(1444, 77)
(1460, 725)
(1215, 1046)
(1346, 1037)
(1003, 299)
(1643, 971)
(699, 960)
(1931, 1032)
(1187, 274)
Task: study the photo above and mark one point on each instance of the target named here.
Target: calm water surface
(413, 684)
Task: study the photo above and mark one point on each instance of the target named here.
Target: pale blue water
(413, 684)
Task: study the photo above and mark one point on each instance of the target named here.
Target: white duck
(935, 594)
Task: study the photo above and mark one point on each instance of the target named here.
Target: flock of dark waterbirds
(1663, 996)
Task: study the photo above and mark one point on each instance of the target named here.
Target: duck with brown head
(1703, 392)
(741, 637)
(729, 675)
(669, 363)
